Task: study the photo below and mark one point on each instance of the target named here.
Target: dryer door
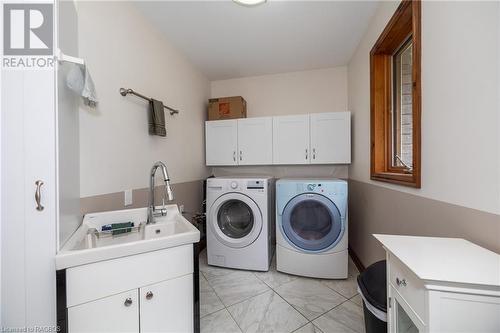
(312, 222)
(235, 219)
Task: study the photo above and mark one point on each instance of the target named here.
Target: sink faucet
(168, 191)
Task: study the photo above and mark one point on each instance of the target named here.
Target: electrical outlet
(181, 208)
(127, 198)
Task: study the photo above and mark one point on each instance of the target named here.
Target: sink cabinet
(148, 292)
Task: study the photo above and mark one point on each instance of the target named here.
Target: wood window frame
(404, 23)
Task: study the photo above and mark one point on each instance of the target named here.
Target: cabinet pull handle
(307, 155)
(241, 155)
(401, 282)
(128, 302)
(149, 295)
(234, 155)
(38, 195)
(314, 153)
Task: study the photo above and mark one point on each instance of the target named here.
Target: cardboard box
(227, 108)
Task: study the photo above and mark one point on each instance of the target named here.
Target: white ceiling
(226, 40)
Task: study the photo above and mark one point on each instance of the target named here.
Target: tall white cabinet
(36, 133)
(28, 244)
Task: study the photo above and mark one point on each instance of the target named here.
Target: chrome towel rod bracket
(125, 92)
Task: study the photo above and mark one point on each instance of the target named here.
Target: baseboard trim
(356, 260)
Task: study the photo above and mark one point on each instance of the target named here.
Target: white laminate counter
(452, 260)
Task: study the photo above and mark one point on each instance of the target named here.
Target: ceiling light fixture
(249, 3)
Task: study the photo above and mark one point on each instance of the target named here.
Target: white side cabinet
(245, 141)
(330, 138)
(291, 140)
(441, 285)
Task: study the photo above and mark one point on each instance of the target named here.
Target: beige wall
(379, 210)
(460, 194)
(122, 49)
(460, 107)
(322, 90)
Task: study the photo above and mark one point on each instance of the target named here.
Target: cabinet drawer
(408, 285)
(93, 281)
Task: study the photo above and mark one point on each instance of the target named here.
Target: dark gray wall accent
(189, 194)
(376, 209)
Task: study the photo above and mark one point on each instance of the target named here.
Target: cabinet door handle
(234, 155)
(314, 153)
(128, 302)
(149, 295)
(38, 195)
(307, 154)
(401, 282)
(241, 155)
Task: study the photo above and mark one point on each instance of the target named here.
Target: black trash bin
(373, 289)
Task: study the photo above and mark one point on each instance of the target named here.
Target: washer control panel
(255, 185)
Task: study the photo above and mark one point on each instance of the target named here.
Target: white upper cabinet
(291, 140)
(318, 138)
(331, 138)
(255, 137)
(221, 140)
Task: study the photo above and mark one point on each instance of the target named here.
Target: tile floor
(244, 301)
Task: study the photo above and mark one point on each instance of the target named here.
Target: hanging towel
(156, 118)
(80, 81)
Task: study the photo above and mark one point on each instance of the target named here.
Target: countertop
(452, 260)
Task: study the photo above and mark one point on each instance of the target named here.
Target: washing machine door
(235, 220)
(312, 222)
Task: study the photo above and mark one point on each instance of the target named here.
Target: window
(395, 99)
(401, 115)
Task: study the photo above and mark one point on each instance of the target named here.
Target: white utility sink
(88, 244)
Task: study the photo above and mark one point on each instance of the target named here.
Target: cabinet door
(331, 138)
(401, 318)
(221, 142)
(255, 141)
(28, 236)
(168, 306)
(118, 313)
(291, 140)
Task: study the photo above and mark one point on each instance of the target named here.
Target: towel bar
(125, 92)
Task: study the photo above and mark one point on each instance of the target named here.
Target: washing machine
(311, 227)
(240, 222)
